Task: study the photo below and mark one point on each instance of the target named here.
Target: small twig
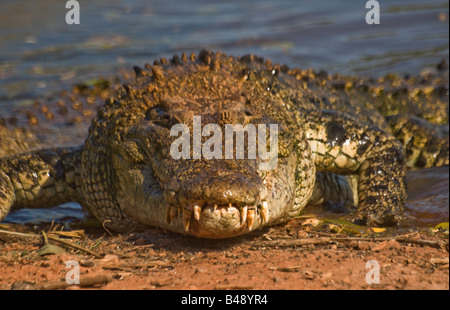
(293, 242)
(432, 243)
(96, 244)
(8, 236)
(439, 261)
(45, 237)
(77, 234)
(84, 282)
(131, 266)
(104, 227)
(330, 237)
(144, 246)
(402, 239)
(287, 269)
(74, 246)
(51, 226)
(7, 232)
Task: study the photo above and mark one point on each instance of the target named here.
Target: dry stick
(134, 266)
(439, 261)
(288, 269)
(104, 227)
(51, 226)
(423, 242)
(23, 235)
(13, 236)
(45, 237)
(332, 237)
(293, 242)
(406, 238)
(74, 246)
(84, 282)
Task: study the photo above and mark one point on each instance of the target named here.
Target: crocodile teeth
(171, 214)
(243, 212)
(187, 215)
(264, 212)
(197, 211)
(250, 218)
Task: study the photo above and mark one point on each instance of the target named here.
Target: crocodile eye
(157, 113)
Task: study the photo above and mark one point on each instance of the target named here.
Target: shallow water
(428, 196)
(40, 53)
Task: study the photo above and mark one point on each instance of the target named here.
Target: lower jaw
(202, 232)
(221, 222)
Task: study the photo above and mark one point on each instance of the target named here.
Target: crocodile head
(144, 149)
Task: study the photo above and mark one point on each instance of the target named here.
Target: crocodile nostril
(215, 182)
(223, 189)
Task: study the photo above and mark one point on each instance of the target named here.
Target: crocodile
(340, 139)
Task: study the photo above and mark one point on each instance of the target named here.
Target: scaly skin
(48, 175)
(15, 141)
(333, 145)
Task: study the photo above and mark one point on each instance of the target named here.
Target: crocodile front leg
(41, 179)
(343, 145)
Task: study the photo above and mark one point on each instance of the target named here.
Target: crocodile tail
(40, 179)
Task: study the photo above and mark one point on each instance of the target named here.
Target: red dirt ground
(305, 253)
(263, 260)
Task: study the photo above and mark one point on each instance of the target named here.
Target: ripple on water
(65, 213)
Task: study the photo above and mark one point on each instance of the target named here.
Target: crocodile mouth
(212, 220)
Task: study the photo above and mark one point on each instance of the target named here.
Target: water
(40, 53)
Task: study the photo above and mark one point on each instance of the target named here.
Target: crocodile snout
(217, 198)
